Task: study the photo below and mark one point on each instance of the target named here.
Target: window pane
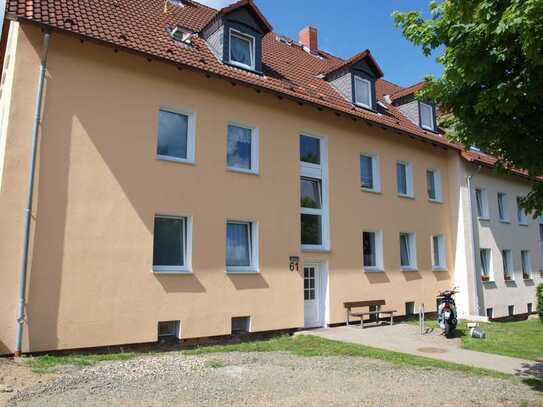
(366, 171)
(362, 91)
(172, 134)
(237, 244)
(541, 231)
(431, 184)
(479, 199)
(501, 211)
(401, 174)
(239, 147)
(506, 256)
(526, 266)
(426, 116)
(368, 241)
(311, 229)
(485, 262)
(405, 251)
(310, 193)
(437, 251)
(310, 150)
(241, 49)
(168, 244)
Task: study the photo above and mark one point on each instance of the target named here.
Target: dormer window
(426, 116)
(362, 92)
(242, 49)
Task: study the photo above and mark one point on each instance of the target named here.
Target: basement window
(409, 309)
(529, 308)
(241, 325)
(511, 310)
(490, 313)
(169, 329)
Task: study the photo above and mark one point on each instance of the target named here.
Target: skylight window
(181, 35)
(242, 50)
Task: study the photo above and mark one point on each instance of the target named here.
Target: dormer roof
(253, 9)
(408, 91)
(362, 56)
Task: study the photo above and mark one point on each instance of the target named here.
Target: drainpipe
(475, 241)
(29, 197)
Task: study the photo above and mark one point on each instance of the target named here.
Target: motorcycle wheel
(447, 329)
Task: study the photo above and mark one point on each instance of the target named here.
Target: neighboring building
(499, 256)
(188, 157)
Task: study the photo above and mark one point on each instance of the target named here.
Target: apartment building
(198, 174)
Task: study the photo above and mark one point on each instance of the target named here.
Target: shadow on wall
(377, 278)
(4, 349)
(180, 283)
(412, 275)
(248, 282)
(442, 275)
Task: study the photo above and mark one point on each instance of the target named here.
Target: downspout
(30, 195)
(475, 243)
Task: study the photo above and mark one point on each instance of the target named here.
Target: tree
(492, 82)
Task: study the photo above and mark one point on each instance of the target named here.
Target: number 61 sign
(294, 262)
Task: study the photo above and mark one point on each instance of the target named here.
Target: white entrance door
(312, 296)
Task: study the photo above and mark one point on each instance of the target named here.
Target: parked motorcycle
(446, 313)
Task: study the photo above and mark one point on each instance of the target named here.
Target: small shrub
(540, 301)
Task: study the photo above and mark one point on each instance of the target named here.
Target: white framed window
(242, 149)
(314, 193)
(526, 264)
(372, 250)
(426, 116)
(408, 251)
(521, 213)
(507, 259)
(362, 92)
(370, 179)
(439, 258)
(404, 179)
(242, 49)
(486, 264)
(433, 185)
(503, 207)
(176, 135)
(241, 246)
(172, 244)
(481, 202)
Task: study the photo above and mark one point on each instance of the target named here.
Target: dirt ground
(256, 379)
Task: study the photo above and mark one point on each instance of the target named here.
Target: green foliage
(492, 82)
(540, 301)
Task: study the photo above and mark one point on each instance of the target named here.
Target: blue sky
(347, 27)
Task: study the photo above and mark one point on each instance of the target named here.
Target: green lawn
(522, 339)
(46, 363)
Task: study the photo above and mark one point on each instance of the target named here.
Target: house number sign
(294, 262)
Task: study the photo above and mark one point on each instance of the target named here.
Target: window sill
(171, 270)
(436, 201)
(242, 171)
(374, 269)
(406, 196)
(440, 269)
(504, 221)
(315, 250)
(373, 191)
(528, 279)
(490, 282)
(409, 269)
(484, 218)
(242, 270)
(175, 159)
(523, 224)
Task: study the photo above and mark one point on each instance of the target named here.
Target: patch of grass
(519, 339)
(215, 364)
(308, 346)
(47, 363)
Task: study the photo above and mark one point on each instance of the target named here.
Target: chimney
(308, 37)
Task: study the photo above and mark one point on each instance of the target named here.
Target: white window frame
(508, 260)
(442, 253)
(243, 36)
(427, 105)
(356, 102)
(253, 268)
(379, 251)
(484, 213)
(255, 149)
(412, 239)
(522, 216)
(187, 244)
(438, 185)
(376, 173)
(320, 172)
(409, 179)
(191, 135)
(490, 265)
(504, 199)
(528, 263)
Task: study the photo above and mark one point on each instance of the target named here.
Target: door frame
(322, 293)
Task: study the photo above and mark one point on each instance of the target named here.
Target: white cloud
(218, 4)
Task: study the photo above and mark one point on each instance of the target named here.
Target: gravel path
(267, 379)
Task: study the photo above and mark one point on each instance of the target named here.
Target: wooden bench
(376, 304)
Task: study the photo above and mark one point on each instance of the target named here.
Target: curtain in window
(366, 171)
(401, 174)
(168, 248)
(237, 244)
(239, 147)
(240, 50)
(405, 253)
(172, 134)
(362, 91)
(431, 184)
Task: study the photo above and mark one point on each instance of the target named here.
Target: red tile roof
(491, 161)
(140, 26)
(384, 87)
(408, 91)
(357, 58)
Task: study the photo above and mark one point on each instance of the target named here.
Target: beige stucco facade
(99, 185)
